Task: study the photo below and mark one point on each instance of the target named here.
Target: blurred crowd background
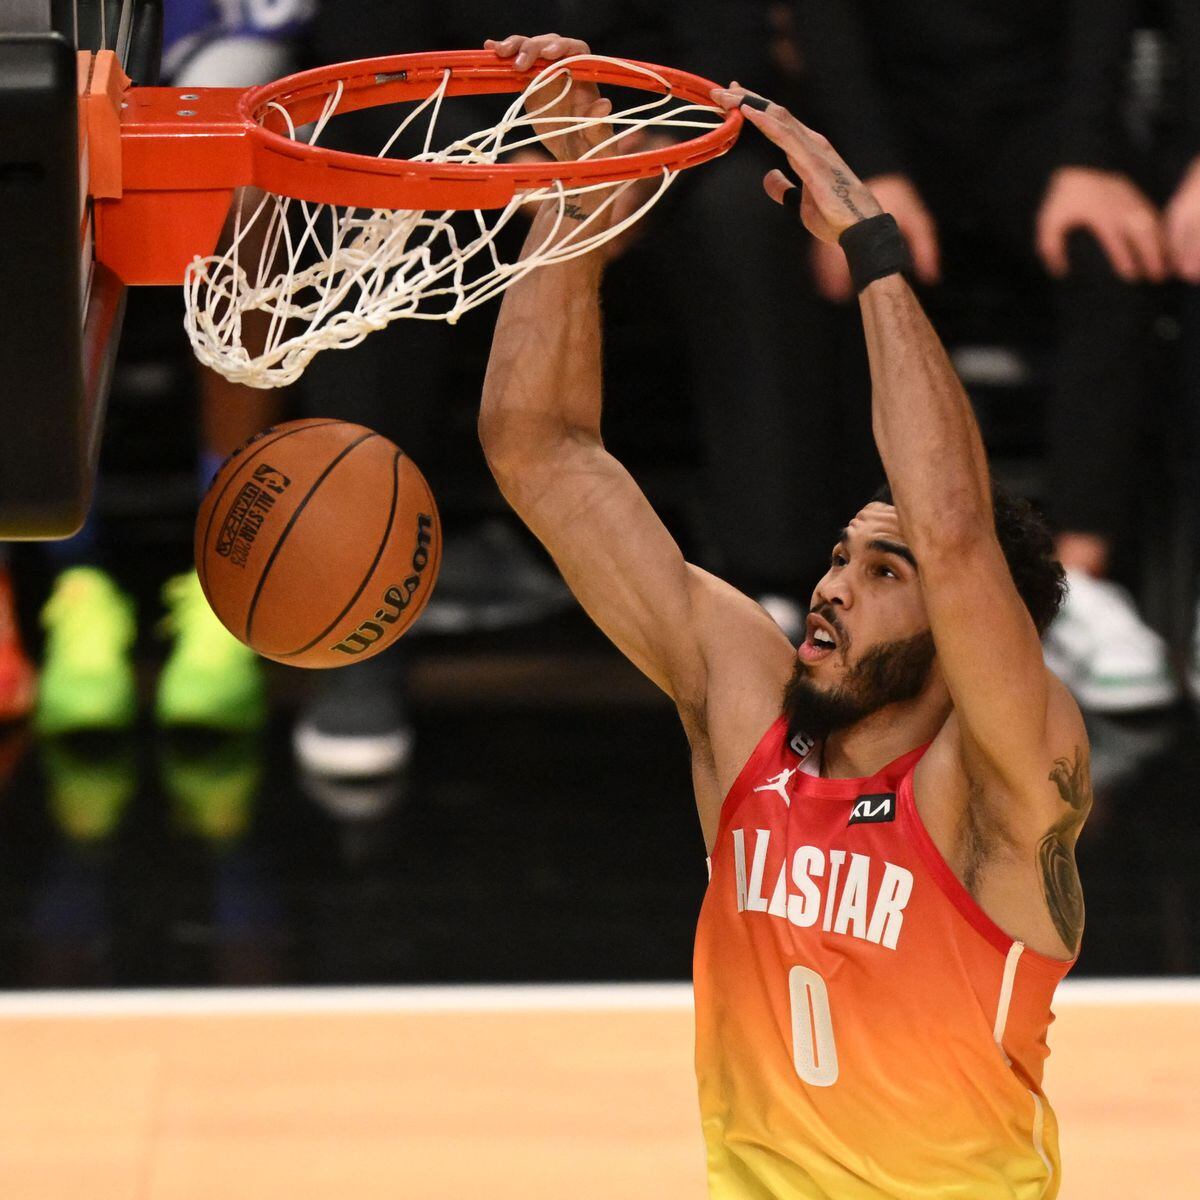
(1043, 159)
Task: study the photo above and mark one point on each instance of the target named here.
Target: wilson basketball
(318, 543)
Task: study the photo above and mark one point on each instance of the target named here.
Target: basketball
(318, 543)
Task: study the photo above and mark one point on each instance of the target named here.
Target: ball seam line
(387, 533)
(287, 529)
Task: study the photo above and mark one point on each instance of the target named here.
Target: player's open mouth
(820, 640)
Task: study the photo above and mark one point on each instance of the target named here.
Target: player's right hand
(581, 99)
(834, 198)
(896, 195)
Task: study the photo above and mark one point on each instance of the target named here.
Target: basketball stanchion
(352, 242)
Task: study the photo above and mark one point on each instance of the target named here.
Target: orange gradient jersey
(863, 1029)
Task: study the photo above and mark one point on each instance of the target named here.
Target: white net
(322, 277)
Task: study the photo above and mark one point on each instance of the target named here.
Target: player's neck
(866, 747)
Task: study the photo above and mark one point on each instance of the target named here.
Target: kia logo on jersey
(872, 809)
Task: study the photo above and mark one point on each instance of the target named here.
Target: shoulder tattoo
(1056, 851)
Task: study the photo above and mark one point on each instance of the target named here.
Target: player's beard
(887, 674)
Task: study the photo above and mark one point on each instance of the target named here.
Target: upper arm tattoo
(1056, 851)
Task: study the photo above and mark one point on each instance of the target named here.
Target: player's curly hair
(1028, 548)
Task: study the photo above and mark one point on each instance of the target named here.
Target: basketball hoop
(351, 242)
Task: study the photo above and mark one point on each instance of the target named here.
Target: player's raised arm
(1012, 717)
(540, 428)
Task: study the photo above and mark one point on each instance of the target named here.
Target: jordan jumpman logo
(779, 784)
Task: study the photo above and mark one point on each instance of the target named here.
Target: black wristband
(875, 248)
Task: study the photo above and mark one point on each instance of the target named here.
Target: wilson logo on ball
(396, 598)
(248, 512)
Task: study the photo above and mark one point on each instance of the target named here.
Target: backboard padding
(48, 404)
(60, 313)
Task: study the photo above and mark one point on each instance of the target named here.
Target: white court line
(601, 997)
(585, 997)
(1182, 989)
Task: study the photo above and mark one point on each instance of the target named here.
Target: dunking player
(893, 896)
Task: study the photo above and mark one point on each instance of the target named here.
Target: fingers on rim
(527, 49)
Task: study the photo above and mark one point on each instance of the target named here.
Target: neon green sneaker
(210, 680)
(87, 677)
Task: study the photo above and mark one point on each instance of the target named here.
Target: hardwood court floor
(484, 1094)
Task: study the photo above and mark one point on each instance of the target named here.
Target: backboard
(60, 311)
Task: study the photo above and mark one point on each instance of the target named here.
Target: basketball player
(891, 808)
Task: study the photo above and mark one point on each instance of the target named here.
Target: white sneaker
(1193, 670)
(1105, 653)
(787, 614)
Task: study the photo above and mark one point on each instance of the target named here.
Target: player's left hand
(1182, 222)
(834, 198)
(580, 99)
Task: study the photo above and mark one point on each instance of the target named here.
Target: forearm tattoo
(1056, 851)
(841, 189)
(575, 212)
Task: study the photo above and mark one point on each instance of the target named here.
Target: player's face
(870, 596)
(867, 642)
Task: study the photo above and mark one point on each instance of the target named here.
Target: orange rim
(407, 77)
(177, 155)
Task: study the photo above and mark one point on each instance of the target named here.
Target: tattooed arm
(1013, 752)
(1056, 850)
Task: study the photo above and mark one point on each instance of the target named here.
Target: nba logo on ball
(318, 543)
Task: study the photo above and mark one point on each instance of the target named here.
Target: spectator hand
(834, 198)
(896, 195)
(1183, 226)
(1110, 207)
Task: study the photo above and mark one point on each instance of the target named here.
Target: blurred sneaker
(213, 782)
(89, 784)
(210, 680)
(358, 799)
(1120, 748)
(356, 723)
(17, 674)
(87, 677)
(490, 579)
(787, 614)
(1193, 666)
(1105, 653)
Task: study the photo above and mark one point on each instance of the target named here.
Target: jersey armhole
(954, 891)
(767, 744)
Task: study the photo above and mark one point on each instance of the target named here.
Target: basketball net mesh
(324, 276)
